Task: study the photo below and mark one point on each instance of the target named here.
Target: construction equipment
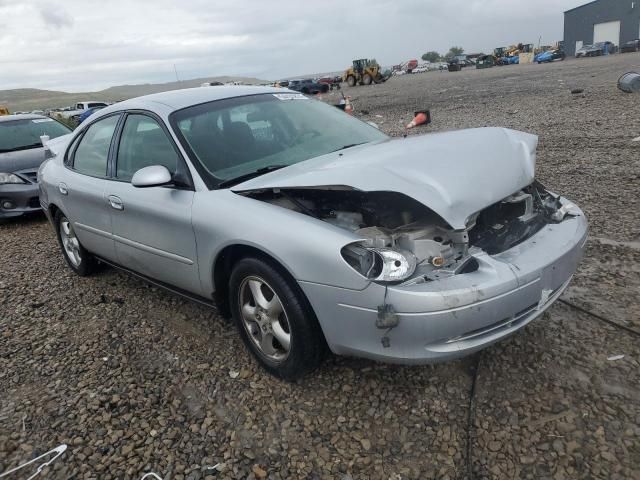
(4, 110)
(364, 72)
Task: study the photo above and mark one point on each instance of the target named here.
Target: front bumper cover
(458, 315)
(23, 197)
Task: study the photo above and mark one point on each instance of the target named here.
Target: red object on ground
(348, 107)
(421, 118)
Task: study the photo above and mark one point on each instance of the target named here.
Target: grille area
(31, 176)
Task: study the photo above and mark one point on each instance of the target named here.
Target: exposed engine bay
(391, 221)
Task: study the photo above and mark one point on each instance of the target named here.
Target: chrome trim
(139, 246)
(152, 250)
(96, 231)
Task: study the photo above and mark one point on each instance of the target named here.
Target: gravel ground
(135, 379)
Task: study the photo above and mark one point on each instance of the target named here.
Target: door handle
(115, 202)
(63, 188)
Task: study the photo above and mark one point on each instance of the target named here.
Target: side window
(91, 154)
(143, 143)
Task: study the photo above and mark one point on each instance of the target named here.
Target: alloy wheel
(264, 319)
(70, 242)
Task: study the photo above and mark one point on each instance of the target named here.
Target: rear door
(152, 226)
(82, 191)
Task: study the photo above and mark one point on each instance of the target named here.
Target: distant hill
(28, 99)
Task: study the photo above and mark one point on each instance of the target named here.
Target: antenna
(176, 71)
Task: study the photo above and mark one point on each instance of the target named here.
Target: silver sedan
(313, 230)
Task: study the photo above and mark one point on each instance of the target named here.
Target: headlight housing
(380, 264)
(10, 178)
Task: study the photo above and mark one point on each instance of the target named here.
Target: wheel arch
(224, 263)
(52, 210)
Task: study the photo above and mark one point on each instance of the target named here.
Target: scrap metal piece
(629, 82)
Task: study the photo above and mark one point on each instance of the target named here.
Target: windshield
(23, 134)
(231, 138)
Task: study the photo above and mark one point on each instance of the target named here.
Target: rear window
(24, 134)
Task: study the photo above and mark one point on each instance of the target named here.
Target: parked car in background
(80, 108)
(87, 113)
(308, 86)
(607, 47)
(21, 153)
(588, 51)
(311, 228)
(332, 82)
(631, 46)
(549, 56)
(596, 50)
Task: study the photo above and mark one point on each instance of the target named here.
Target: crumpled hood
(455, 174)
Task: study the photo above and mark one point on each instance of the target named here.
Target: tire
(351, 81)
(76, 256)
(324, 88)
(305, 90)
(265, 333)
(367, 79)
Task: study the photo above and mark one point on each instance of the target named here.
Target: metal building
(617, 21)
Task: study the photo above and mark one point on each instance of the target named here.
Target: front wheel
(275, 320)
(351, 81)
(367, 79)
(78, 259)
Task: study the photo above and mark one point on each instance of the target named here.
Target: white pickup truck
(82, 107)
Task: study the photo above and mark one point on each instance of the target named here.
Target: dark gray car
(21, 153)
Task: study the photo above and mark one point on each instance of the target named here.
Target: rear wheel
(351, 81)
(367, 79)
(78, 259)
(275, 320)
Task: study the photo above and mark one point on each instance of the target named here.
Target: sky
(89, 45)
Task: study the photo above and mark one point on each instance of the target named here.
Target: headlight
(10, 178)
(380, 264)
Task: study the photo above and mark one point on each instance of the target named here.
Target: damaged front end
(403, 241)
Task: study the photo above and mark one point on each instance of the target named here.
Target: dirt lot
(134, 379)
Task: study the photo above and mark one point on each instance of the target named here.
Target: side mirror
(153, 176)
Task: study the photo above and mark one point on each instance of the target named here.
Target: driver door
(152, 226)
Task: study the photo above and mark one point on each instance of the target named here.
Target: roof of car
(22, 116)
(177, 99)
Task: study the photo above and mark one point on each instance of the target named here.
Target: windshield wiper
(22, 147)
(256, 173)
(347, 146)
